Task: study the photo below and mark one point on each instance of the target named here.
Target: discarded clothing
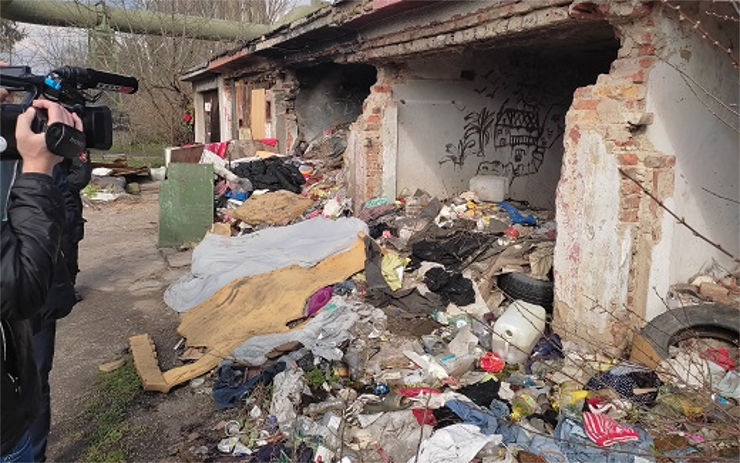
(570, 443)
(390, 264)
(515, 216)
(230, 387)
(459, 443)
(345, 288)
(271, 174)
(278, 208)
(453, 287)
(475, 415)
(603, 430)
(322, 335)
(219, 260)
(398, 434)
(380, 294)
(547, 348)
(319, 299)
(449, 250)
(481, 393)
(624, 379)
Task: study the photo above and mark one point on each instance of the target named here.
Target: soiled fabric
(319, 299)
(449, 250)
(230, 387)
(271, 174)
(603, 430)
(475, 415)
(379, 293)
(322, 335)
(571, 444)
(459, 443)
(624, 379)
(219, 260)
(452, 286)
(547, 348)
(482, 393)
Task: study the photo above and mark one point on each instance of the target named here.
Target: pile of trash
(272, 189)
(416, 331)
(112, 180)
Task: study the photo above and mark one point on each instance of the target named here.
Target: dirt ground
(122, 279)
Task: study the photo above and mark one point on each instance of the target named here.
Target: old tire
(525, 288)
(704, 321)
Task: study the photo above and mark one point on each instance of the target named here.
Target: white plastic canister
(517, 331)
(491, 188)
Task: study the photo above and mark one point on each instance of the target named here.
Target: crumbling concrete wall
(487, 113)
(691, 95)
(605, 252)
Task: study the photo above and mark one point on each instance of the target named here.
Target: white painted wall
(433, 103)
(707, 156)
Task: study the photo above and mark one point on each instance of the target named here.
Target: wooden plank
(145, 361)
(257, 113)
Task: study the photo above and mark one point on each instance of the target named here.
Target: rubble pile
(416, 331)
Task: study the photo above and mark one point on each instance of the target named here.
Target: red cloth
(424, 416)
(218, 148)
(720, 356)
(605, 431)
(414, 391)
(492, 363)
(269, 141)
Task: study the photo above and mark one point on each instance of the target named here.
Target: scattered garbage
(416, 331)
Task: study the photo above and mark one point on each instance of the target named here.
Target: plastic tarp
(459, 443)
(218, 260)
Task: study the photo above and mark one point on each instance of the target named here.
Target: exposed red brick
(574, 135)
(373, 119)
(582, 92)
(628, 187)
(646, 50)
(381, 89)
(376, 110)
(585, 104)
(646, 62)
(660, 161)
(630, 201)
(627, 159)
(628, 216)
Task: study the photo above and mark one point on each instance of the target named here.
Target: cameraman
(32, 221)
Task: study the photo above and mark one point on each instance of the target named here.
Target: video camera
(71, 87)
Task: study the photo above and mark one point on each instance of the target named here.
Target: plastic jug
(491, 188)
(516, 332)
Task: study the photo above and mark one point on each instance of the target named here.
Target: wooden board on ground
(251, 306)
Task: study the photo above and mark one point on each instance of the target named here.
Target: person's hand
(32, 146)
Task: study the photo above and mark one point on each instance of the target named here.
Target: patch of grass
(103, 421)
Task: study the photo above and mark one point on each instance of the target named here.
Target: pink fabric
(605, 431)
(414, 391)
(269, 141)
(319, 299)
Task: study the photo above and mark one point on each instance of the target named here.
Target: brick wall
(365, 150)
(613, 109)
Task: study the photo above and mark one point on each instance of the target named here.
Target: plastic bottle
(523, 404)
(516, 332)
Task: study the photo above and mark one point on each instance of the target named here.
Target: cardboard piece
(251, 306)
(276, 208)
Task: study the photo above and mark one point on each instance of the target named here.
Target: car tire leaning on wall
(653, 342)
(526, 288)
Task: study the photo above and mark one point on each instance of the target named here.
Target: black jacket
(30, 245)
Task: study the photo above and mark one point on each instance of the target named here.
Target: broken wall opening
(492, 111)
(329, 98)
